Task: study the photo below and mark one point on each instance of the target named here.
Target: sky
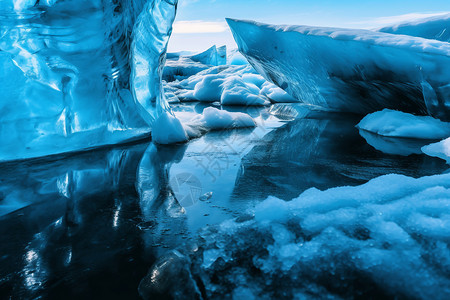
(201, 23)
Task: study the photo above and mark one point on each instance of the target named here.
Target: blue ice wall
(71, 73)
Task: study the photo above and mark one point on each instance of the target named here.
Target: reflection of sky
(200, 23)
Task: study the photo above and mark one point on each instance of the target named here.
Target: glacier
(351, 70)
(435, 27)
(76, 75)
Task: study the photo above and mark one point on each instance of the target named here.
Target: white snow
(167, 129)
(435, 27)
(441, 150)
(393, 123)
(392, 233)
(215, 119)
(229, 85)
(350, 70)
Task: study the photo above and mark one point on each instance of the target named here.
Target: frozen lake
(94, 223)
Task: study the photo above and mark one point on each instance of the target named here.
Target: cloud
(197, 26)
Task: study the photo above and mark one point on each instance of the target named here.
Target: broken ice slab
(350, 70)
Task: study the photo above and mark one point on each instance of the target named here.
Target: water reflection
(94, 223)
(75, 232)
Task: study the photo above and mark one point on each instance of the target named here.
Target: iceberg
(359, 71)
(435, 27)
(80, 74)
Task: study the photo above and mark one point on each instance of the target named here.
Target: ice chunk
(80, 74)
(350, 70)
(275, 94)
(237, 92)
(387, 237)
(181, 69)
(441, 150)
(436, 27)
(214, 119)
(236, 58)
(393, 123)
(167, 129)
(213, 56)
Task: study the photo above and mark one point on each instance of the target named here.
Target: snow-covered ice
(389, 237)
(435, 27)
(351, 70)
(441, 149)
(215, 119)
(228, 84)
(392, 123)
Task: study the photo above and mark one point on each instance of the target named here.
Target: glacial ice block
(358, 71)
(436, 27)
(69, 79)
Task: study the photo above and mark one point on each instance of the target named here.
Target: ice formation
(80, 74)
(441, 149)
(229, 85)
(350, 70)
(393, 123)
(436, 27)
(215, 119)
(181, 65)
(386, 238)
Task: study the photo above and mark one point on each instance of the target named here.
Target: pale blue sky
(201, 23)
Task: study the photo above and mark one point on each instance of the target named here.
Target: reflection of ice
(393, 145)
(77, 219)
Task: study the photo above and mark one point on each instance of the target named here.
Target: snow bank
(387, 238)
(441, 150)
(393, 123)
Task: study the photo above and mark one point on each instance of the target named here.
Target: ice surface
(394, 123)
(436, 27)
(441, 150)
(350, 70)
(79, 74)
(389, 238)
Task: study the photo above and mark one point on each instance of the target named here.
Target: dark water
(91, 225)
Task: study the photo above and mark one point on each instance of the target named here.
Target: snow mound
(167, 129)
(229, 85)
(393, 123)
(441, 150)
(215, 119)
(387, 238)
(435, 27)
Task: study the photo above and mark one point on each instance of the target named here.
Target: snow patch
(393, 123)
(441, 150)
